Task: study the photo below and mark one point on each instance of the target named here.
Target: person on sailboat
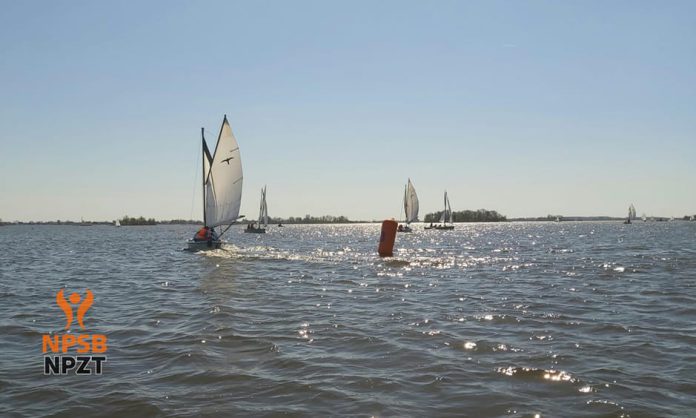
(205, 234)
(201, 235)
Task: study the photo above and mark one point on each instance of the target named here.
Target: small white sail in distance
(263, 209)
(410, 203)
(446, 216)
(223, 180)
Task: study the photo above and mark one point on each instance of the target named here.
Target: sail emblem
(227, 160)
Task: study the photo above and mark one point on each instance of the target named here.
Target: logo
(74, 299)
(68, 345)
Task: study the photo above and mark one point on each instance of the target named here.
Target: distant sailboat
(117, 223)
(222, 189)
(446, 220)
(631, 214)
(645, 218)
(263, 216)
(410, 207)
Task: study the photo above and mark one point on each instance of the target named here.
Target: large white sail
(223, 183)
(410, 203)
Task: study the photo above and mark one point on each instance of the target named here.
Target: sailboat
(117, 223)
(263, 216)
(446, 221)
(410, 207)
(631, 214)
(222, 189)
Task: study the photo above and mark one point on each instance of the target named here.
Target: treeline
(127, 221)
(308, 219)
(59, 222)
(481, 215)
(180, 222)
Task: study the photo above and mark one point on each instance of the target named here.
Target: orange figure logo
(74, 300)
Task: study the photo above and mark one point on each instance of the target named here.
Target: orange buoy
(386, 239)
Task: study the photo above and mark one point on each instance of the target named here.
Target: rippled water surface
(515, 319)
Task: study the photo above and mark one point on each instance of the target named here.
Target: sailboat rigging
(263, 216)
(222, 189)
(631, 214)
(446, 218)
(410, 207)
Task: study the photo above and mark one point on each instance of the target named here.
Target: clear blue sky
(525, 107)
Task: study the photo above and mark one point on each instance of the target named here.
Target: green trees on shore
(481, 215)
(126, 220)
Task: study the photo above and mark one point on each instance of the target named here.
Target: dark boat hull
(441, 227)
(195, 246)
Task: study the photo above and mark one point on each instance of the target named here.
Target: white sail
(631, 212)
(446, 216)
(410, 203)
(263, 209)
(443, 217)
(223, 181)
(448, 209)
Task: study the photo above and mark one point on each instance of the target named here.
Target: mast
(448, 210)
(406, 204)
(265, 208)
(261, 209)
(203, 165)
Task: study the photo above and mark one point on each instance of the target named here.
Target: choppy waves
(555, 319)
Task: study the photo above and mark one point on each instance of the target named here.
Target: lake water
(514, 319)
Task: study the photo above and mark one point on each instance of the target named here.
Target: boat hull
(195, 246)
(255, 231)
(441, 227)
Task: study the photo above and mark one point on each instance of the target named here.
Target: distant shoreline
(193, 222)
